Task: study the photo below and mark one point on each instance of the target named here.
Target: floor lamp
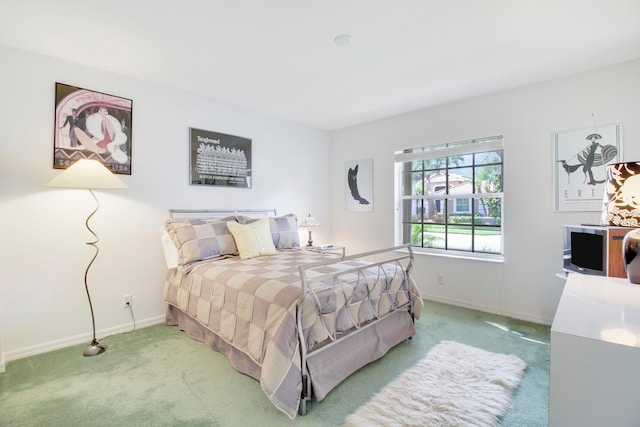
(89, 175)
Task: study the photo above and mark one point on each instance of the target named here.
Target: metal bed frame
(307, 290)
(401, 256)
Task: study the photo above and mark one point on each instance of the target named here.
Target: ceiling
(279, 56)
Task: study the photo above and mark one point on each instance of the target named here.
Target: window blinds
(453, 149)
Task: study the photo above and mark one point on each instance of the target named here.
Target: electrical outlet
(127, 301)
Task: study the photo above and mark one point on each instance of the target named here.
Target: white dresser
(595, 354)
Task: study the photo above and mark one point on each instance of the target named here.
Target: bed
(298, 321)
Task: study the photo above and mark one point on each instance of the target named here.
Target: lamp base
(631, 255)
(94, 349)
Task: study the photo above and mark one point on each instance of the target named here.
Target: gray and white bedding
(252, 305)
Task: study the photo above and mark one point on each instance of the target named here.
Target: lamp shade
(621, 200)
(309, 221)
(86, 173)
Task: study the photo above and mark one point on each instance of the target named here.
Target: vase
(631, 255)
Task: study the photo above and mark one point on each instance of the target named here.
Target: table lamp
(621, 207)
(309, 222)
(621, 200)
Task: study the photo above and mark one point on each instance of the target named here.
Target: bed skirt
(327, 368)
(334, 364)
(238, 360)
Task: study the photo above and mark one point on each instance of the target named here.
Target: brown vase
(631, 255)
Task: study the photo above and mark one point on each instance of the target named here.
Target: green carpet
(157, 376)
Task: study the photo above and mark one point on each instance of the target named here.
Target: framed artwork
(359, 188)
(92, 125)
(580, 161)
(219, 159)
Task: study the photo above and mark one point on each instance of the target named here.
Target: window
(450, 196)
(462, 206)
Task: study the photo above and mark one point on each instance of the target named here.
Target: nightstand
(338, 250)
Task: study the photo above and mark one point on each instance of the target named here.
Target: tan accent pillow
(253, 239)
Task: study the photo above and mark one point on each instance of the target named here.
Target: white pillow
(170, 250)
(253, 239)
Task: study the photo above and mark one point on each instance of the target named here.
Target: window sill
(471, 256)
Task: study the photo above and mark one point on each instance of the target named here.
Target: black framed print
(219, 159)
(92, 125)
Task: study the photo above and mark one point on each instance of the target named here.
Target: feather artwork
(352, 180)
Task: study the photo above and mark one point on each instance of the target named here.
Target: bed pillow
(171, 255)
(284, 230)
(253, 239)
(197, 239)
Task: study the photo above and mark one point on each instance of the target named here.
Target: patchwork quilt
(252, 305)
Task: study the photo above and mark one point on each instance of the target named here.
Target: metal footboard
(398, 259)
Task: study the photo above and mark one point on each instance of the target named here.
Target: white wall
(43, 304)
(525, 285)
(42, 300)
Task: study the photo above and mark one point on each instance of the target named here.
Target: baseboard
(45, 347)
(492, 310)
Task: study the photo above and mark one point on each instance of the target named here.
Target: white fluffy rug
(454, 385)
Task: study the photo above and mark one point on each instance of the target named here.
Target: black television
(585, 249)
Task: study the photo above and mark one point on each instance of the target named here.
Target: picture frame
(92, 125)
(218, 159)
(580, 159)
(359, 185)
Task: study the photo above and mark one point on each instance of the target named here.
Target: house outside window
(449, 197)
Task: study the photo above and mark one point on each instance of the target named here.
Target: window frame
(446, 151)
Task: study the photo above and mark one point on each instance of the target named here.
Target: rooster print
(588, 158)
(582, 157)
